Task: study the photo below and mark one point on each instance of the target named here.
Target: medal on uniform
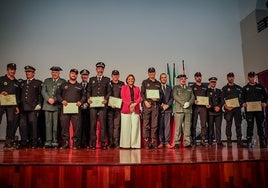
(148, 85)
(5, 83)
(93, 82)
(228, 89)
(195, 88)
(247, 88)
(66, 87)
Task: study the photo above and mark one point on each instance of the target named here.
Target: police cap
(100, 64)
(182, 76)
(29, 68)
(212, 79)
(12, 66)
(55, 68)
(84, 71)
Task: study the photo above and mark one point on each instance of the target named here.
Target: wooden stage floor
(189, 167)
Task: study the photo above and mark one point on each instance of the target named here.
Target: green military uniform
(51, 110)
(184, 98)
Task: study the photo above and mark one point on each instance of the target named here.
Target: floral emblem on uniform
(65, 87)
(5, 83)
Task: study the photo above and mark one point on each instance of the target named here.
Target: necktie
(164, 89)
(99, 79)
(28, 81)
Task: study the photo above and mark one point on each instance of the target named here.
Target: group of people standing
(119, 106)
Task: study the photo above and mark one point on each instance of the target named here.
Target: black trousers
(150, 122)
(202, 112)
(10, 118)
(113, 125)
(229, 116)
(28, 127)
(85, 124)
(96, 113)
(65, 127)
(259, 117)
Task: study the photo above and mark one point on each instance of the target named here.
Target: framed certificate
(96, 102)
(202, 100)
(232, 102)
(70, 108)
(254, 106)
(115, 102)
(8, 100)
(152, 94)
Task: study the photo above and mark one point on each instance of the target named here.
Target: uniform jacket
(232, 91)
(10, 86)
(126, 98)
(254, 93)
(181, 96)
(31, 94)
(149, 84)
(101, 88)
(49, 90)
(215, 99)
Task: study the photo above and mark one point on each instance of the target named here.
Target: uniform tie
(164, 89)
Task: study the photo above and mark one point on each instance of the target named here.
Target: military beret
(12, 66)
(84, 71)
(100, 64)
(212, 79)
(74, 70)
(115, 72)
(151, 69)
(181, 76)
(55, 68)
(251, 74)
(230, 74)
(198, 74)
(29, 68)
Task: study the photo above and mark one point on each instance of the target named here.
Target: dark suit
(30, 98)
(85, 119)
(164, 118)
(98, 88)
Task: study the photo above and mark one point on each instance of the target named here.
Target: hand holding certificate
(232, 103)
(202, 100)
(115, 102)
(152, 94)
(254, 106)
(97, 102)
(70, 108)
(8, 100)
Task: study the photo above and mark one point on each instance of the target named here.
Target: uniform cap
(115, 72)
(55, 68)
(213, 79)
(151, 69)
(84, 71)
(230, 74)
(197, 74)
(29, 68)
(251, 74)
(74, 70)
(12, 66)
(100, 64)
(182, 76)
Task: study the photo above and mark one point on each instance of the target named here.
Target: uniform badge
(148, 85)
(211, 93)
(65, 87)
(195, 88)
(5, 83)
(228, 89)
(93, 82)
(247, 88)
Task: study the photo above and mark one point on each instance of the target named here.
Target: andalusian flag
(169, 76)
(174, 75)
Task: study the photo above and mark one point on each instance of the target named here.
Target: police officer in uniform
(114, 114)
(232, 91)
(255, 92)
(214, 111)
(71, 92)
(199, 89)
(31, 101)
(150, 107)
(184, 99)
(99, 86)
(9, 85)
(51, 106)
(85, 115)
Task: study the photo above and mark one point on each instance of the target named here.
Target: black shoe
(103, 147)
(8, 146)
(263, 146)
(93, 147)
(220, 144)
(177, 146)
(229, 144)
(65, 146)
(203, 143)
(188, 146)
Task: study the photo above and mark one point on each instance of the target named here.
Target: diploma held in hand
(115, 102)
(8, 100)
(232, 102)
(70, 108)
(202, 100)
(96, 102)
(254, 106)
(152, 94)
